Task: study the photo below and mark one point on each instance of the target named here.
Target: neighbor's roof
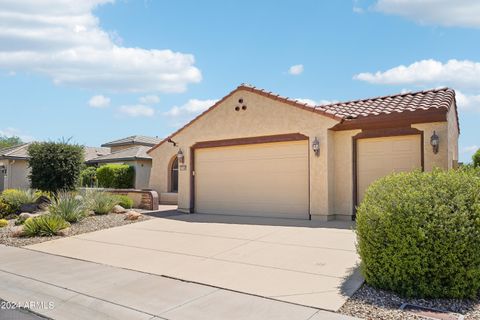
(16, 152)
(350, 111)
(133, 153)
(135, 140)
(95, 152)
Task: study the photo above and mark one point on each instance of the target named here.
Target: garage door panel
(378, 157)
(260, 180)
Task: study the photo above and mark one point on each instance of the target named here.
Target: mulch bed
(370, 303)
(89, 224)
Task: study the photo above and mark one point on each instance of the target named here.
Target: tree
(55, 166)
(6, 142)
(476, 159)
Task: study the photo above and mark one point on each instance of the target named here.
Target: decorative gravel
(89, 224)
(370, 303)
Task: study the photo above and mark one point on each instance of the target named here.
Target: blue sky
(98, 70)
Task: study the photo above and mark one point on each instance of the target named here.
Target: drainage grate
(430, 313)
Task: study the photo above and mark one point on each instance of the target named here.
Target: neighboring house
(135, 156)
(132, 151)
(256, 153)
(14, 170)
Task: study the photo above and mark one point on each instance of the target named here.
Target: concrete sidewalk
(65, 288)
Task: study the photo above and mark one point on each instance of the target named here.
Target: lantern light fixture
(316, 146)
(180, 156)
(435, 142)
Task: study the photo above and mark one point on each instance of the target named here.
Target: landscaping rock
(78, 197)
(132, 215)
(28, 207)
(24, 215)
(17, 232)
(119, 209)
(64, 232)
(90, 213)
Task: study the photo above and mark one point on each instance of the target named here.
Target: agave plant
(44, 225)
(69, 207)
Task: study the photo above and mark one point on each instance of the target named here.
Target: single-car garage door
(267, 179)
(378, 157)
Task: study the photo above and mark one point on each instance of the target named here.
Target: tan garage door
(377, 157)
(269, 180)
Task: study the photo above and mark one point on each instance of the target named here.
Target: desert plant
(6, 209)
(15, 198)
(101, 202)
(55, 165)
(124, 201)
(44, 225)
(120, 176)
(419, 233)
(3, 223)
(68, 206)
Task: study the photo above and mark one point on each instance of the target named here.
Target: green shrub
(124, 201)
(69, 207)
(476, 159)
(6, 209)
(88, 177)
(119, 176)
(55, 165)
(3, 223)
(419, 233)
(44, 225)
(101, 202)
(14, 198)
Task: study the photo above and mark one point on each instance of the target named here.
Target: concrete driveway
(308, 263)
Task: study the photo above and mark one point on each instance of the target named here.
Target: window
(174, 176)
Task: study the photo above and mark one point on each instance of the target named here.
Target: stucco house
(256, 153)
(14, 170)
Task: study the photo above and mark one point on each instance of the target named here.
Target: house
(256, 153)
(135, 156)
(132, 151)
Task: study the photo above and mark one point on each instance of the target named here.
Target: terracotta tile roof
(94, 152)
(134, 140)
(133, 153)
(411, 101)
(355, 109)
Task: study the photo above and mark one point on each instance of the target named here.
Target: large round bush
(419, 233)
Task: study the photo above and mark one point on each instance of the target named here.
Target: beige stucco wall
(263, 116)
(453, 134)
(432, 160)
(118, 148)
(343, 174)
(142, 173)
(17, 174)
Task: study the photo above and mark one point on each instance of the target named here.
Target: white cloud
(149, 99)
(138, 110)
(192, 107)
(296, 69)
(99, 101)
(463, 13)
(311, 102)
(463, 75)
(457, 73)
(13, 132)
(63, 40)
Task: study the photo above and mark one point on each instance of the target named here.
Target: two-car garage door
(267, 179)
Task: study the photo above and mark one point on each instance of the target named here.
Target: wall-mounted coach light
(316, 146)
(435, 142)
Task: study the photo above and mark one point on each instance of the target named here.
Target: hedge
(476, 159)
(119, 176)
(419, 234)
(88, 177)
